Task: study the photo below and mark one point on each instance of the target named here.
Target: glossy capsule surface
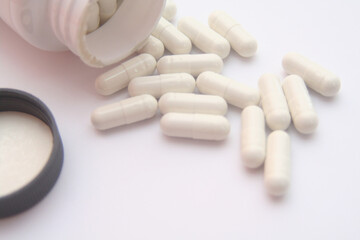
(174, 40)
(273, 102)
(195, 126)
(241, 41)
(203, 37)
(193, 64)
(93, 17)
(277, 163)
(192, 103)
(154, 47)
(170, 10)
(253, 138)
(160, 84)
(107, 9)
(234, 92)
(301, 108)
(315, 76)
(119, 77)
(127, 111)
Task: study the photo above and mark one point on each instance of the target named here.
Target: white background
(135, 183)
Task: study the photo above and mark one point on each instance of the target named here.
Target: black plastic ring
(34, 191)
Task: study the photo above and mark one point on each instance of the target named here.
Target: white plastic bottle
(57, 25)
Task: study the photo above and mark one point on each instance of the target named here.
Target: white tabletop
(135, 183)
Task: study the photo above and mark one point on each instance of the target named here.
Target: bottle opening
(123, 33)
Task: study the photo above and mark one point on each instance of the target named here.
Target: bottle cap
(31, 151)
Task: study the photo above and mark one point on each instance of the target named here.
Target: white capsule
(235, 93)
(253, 136)
(174, 40)
(316, 77)
(120, 76)
(195, 126)
(170, 10)
(193, 64)
(127, 111)
(161, 84)
(274, 102)
(192, 103)
(241, 41)
(154, 47)
(93, 17)
(300, 105)
(107, 9)
(277, 163)
(204, 38)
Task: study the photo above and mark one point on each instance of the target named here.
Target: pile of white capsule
(201, 116)
(99, 11)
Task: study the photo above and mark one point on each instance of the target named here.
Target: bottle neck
(117, 39)
(68, 22)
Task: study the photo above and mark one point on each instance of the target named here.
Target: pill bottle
(58, 25)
